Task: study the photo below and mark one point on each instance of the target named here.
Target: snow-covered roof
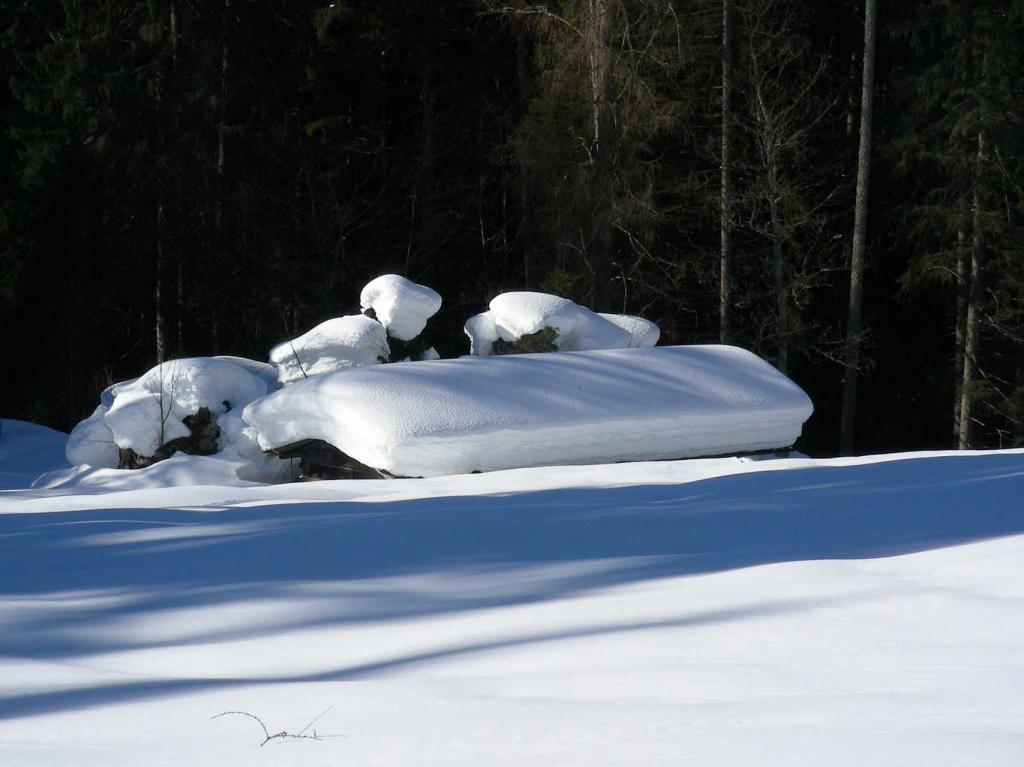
(456, 416)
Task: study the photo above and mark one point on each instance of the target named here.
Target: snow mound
(180, 470)
(644, 333)
(148, 412)
(91, 442)
(259, 369)
(515, 315)
(108, 395)
(469, 414)
(26, 451)
(343, 342)
(402, 306)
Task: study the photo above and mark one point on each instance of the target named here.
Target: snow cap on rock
(482, 334)
(343, 342)
(149, 412)
(517, 314)
(402, 306)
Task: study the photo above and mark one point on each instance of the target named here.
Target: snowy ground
(714, 612)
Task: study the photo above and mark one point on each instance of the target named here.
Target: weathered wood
(322, 460)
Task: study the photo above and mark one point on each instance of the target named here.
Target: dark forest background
(199, 177)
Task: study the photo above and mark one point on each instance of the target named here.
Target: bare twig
(297, 360)
(300, 735)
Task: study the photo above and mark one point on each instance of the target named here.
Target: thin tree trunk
(159, 316)
(71, 310)
(160, 323)
(174, 34)
(214, 332)
(725, 201)
(853, 322)
(217, 245)
(962, 275)
(598, 28)
(973, 319)
(423, 226)
(179, 308)
(179, 281)
(851, 101)
(527, 225)
(781, 289)
(223, 94)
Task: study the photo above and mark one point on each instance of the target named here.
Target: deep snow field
(724, 612)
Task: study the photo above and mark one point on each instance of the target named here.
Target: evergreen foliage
(210, 178)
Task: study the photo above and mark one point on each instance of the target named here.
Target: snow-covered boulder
(401, 305)
(151, 411)
(343, 342)
(462, 415)
(515, 317)
(145, 414)
(643, 333)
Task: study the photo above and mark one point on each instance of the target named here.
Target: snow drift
(710, 613)
(470, 414)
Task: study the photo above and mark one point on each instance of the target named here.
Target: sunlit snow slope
(716, 612)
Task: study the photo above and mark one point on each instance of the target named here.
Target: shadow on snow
(373, 561)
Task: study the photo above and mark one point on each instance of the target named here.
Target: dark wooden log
(322, 460)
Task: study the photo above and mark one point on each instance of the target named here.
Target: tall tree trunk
(179, 305)
(962, 278)
(725, 201)
(602, 149)
(853, 321)
(160, 267)
(160, 318)
(527, 226)
(781, 288)
(179, 269)
(222, 96)
(973, 319)
(217, 246)
(423, 213)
